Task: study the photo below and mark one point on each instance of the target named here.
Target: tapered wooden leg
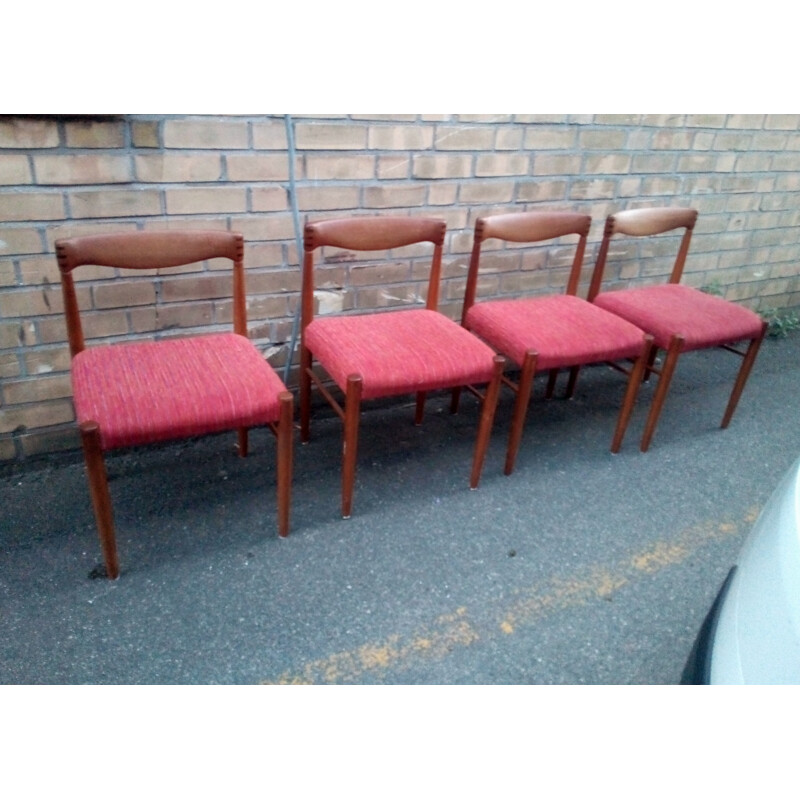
(420, 410)
(552, 377)
(101, 499)
(455, 397)
(305, 394)
(667, 368)
(573, 379)
(744, 374)
(634, 381)
(242, 442)
(520, 409)
(651, 360)
(285, 431)
(490, 399)
(352, 415)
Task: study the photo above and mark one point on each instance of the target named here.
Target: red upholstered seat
(152, 391)
(702, 319)
(399, 352)
(564, 330)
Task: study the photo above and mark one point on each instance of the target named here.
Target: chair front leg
(285, 433)
(667, 369)
(101, 499)
(352, 416)
(573, 380)
(744, 374)
(632, 390)
(520, 409)
(242, 442)
(420, 409)
(487, 419)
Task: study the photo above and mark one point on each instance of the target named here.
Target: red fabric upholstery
(152, 391)
(702, 319)
(399, 352)
(564, 331)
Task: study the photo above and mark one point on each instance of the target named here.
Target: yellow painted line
(455, 630)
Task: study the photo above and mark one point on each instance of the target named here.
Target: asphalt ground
(582, 567)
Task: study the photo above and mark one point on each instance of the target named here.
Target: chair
(395, 352)
(680, 318)
(552, 332)
(144, 392)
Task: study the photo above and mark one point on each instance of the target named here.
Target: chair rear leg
(520, 409)
(285, 432)
(573, 379)
(490, 399)
(419, 413)
(552, 377)
(632, 390)
(651, 360)
(352, 415)
(101, 499)
(744, 374)
(455, 398)
(667, 369)
(305, 394)
(242, 442)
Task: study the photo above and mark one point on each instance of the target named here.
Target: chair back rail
(531, 226)
(147, 250)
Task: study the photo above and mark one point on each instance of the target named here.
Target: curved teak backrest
(147, 250)
(528, 226)
(645, 222)
(371, 233)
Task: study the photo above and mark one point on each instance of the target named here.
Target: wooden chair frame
(530, 228)
(160, 250)
(651, 222)
(376, 234)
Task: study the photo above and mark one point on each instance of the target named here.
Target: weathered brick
(444, 166)
(7, 274)
(205, 134)
(35, 415)
(464, 137)
(442, 194)
(323, 198)
(260, 167)
(782, 122)
(14, 170)
(395, 196)
(28, 134)
(269, 198)
(8, 451)
(31, 206)
(487, 192)
(394, 167)
(270, 135)
(115, 203)
(122, 294)
(93, 133)
(35, 390)
(501, 164)
(9, 367)
(145, 134)
(209, 200)
(552, 164)
(354, 167)
(65, 170)
(47, 360)
(393, 137)
(321, 136)
(175, 168)
(612, 163)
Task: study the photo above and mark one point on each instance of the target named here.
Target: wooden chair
(680, 318)
(143, 392)
(550, 332)
(405, 351)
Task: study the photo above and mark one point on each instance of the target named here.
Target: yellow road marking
(450, 631)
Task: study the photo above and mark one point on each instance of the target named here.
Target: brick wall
(67, 176)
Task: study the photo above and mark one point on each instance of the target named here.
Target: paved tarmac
(580, 568)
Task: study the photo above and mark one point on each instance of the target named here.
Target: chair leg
(632, 390)
(520, 409)
(551, 383)
(243, 442)
(651, 360)
(305, 394)
(455, 397)
(573, 379)
(744, 374)
(352, 414)
(285, 432)
(667, 369)
(420, 410)
(101, 499)
(490, 399)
